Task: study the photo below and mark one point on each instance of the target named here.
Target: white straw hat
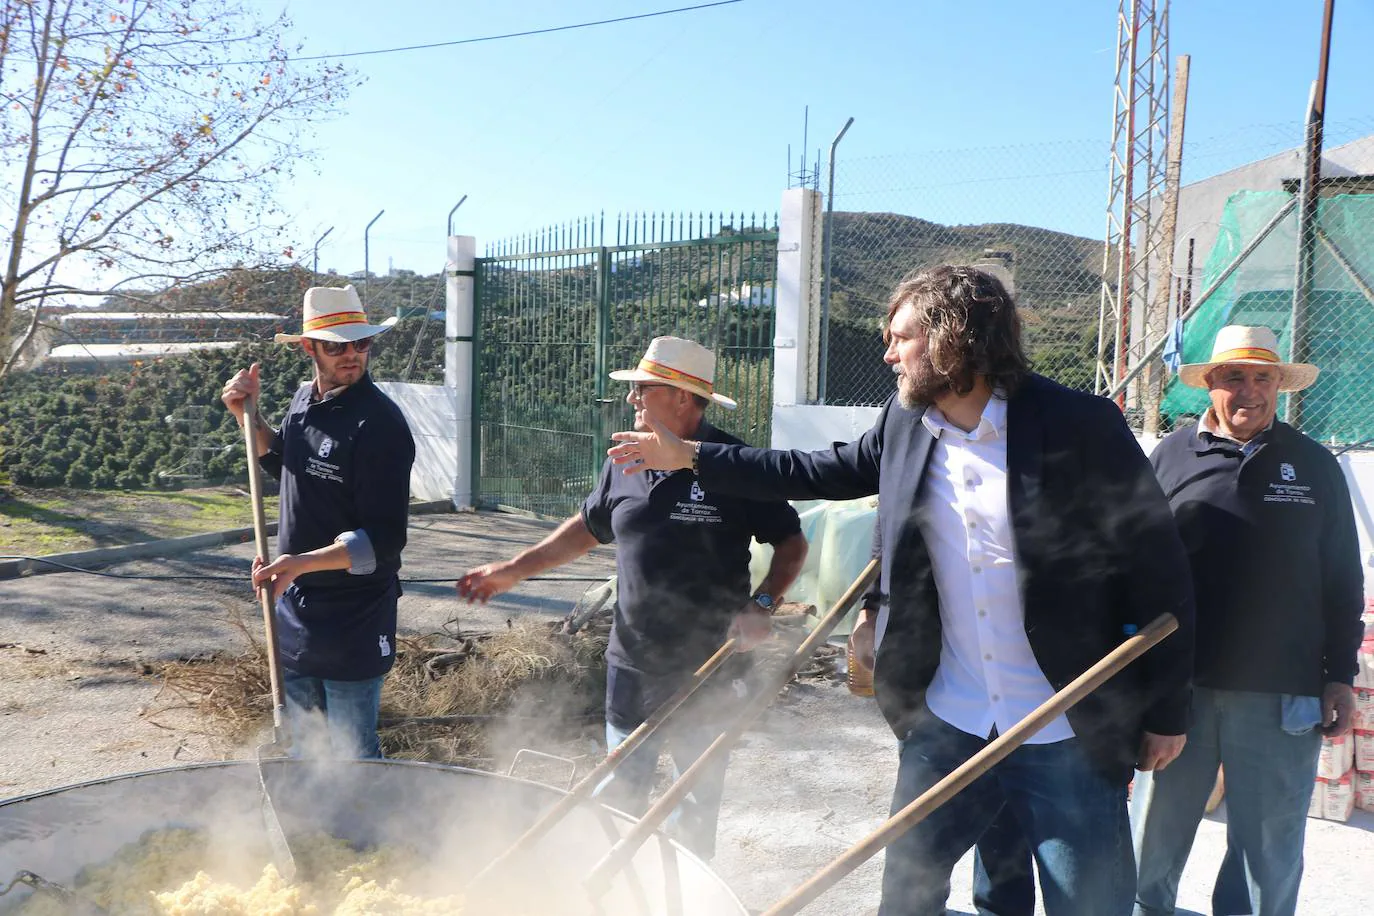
(681, 363)
(1238, 344)
(336, 315)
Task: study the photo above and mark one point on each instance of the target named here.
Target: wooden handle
(269, 620)
(593, 779)
(976, 766)
(598, 880)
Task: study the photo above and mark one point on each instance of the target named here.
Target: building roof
(73, 353)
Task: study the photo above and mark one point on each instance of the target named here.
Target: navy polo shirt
(344, 465)
(682, 561)
(1270, 534)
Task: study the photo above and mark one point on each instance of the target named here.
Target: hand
(245, 384)
(1338, 709)
(1158, 751)
(659, 450)
(751, 627)
(277, 575)
(486, 582)
(861, 640)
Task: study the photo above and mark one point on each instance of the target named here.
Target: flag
(1173, 347)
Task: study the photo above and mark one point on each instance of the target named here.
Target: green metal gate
(558, 310)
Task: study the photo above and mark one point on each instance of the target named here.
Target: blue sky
(695, 111)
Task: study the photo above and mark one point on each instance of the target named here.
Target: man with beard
(1023, 536)
(682, 584)
(343, 455)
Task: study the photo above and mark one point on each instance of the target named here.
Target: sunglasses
(637, 389)
(339, 348)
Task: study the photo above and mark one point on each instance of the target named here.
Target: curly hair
(971, 325)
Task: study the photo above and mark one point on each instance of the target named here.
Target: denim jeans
(1003, 875)
(333, 718)
(1073, 818)
(1269, 774)
(693, 822)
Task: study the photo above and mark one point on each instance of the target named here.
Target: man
(682, 580)
(343, 455)
(1270, 531)
(1023, 534)
(1003, 873)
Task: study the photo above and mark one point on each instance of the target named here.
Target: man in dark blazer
(1024, 536)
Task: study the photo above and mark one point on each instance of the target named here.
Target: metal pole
(367, 254)
(1307, 216)
(1225, 275)
(316, 268)
(453, 211)
(1158, 311)
(825, 257)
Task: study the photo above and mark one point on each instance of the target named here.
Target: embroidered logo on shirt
(697, 494)
(384, 644)
(1287, 472)
(326, 446)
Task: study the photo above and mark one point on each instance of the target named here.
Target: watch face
(765, 601)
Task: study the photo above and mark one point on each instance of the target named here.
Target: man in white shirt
(1024, 537)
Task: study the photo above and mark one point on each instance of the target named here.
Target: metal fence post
(825, 244)
(461, 360)
(367, 254)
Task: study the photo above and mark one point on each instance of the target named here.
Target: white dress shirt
(988, 675)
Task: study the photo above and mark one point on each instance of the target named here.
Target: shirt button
(982, 612)
(987, 656)
(977, 569)
(972, 525)
(995, 698)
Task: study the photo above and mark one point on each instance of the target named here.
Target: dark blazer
(1096, 548)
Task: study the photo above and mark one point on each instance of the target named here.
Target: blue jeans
(1073, 818)
(1003, 876)
(1269, 774)
(333, 718)
(693, 822)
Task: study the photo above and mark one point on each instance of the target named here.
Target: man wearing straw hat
(682, 582)
(343, 455)
(1266, 517)
(1023, 539)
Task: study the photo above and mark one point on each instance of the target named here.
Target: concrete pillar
(797, 335)
(458, 357)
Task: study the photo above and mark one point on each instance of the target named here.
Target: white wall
(431, 413)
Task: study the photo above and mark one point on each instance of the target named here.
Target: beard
(332, 375)
(920, 389)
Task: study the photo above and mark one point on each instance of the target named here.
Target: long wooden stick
(276, 837)
(976, 766)
(269, 619)
(598, 880)
(593, 779)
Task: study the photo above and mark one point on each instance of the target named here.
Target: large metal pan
(460, 818)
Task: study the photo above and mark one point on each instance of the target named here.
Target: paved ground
(811, 780)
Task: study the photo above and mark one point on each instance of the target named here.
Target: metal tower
(1140, 114)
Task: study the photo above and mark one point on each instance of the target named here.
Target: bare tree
(140, 144)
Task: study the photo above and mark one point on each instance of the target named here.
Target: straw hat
(681, 363)
(1237, 344)
(336, 315)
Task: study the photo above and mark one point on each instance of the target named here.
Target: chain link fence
(1035, 214)
(972, 207)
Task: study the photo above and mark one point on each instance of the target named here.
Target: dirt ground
(77, 698)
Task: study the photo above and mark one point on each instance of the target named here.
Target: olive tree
(140, 145)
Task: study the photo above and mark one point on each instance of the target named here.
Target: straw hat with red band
(681, 363)
(1237, 344)
(336, 315)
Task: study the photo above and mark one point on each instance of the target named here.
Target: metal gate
(558, 310)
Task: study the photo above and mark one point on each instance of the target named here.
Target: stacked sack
(1364, 716)
(1345, 770)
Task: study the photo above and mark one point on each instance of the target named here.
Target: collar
(992, 424)
(1207, 426)
(338, 392)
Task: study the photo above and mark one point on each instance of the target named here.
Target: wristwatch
(764, 601)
